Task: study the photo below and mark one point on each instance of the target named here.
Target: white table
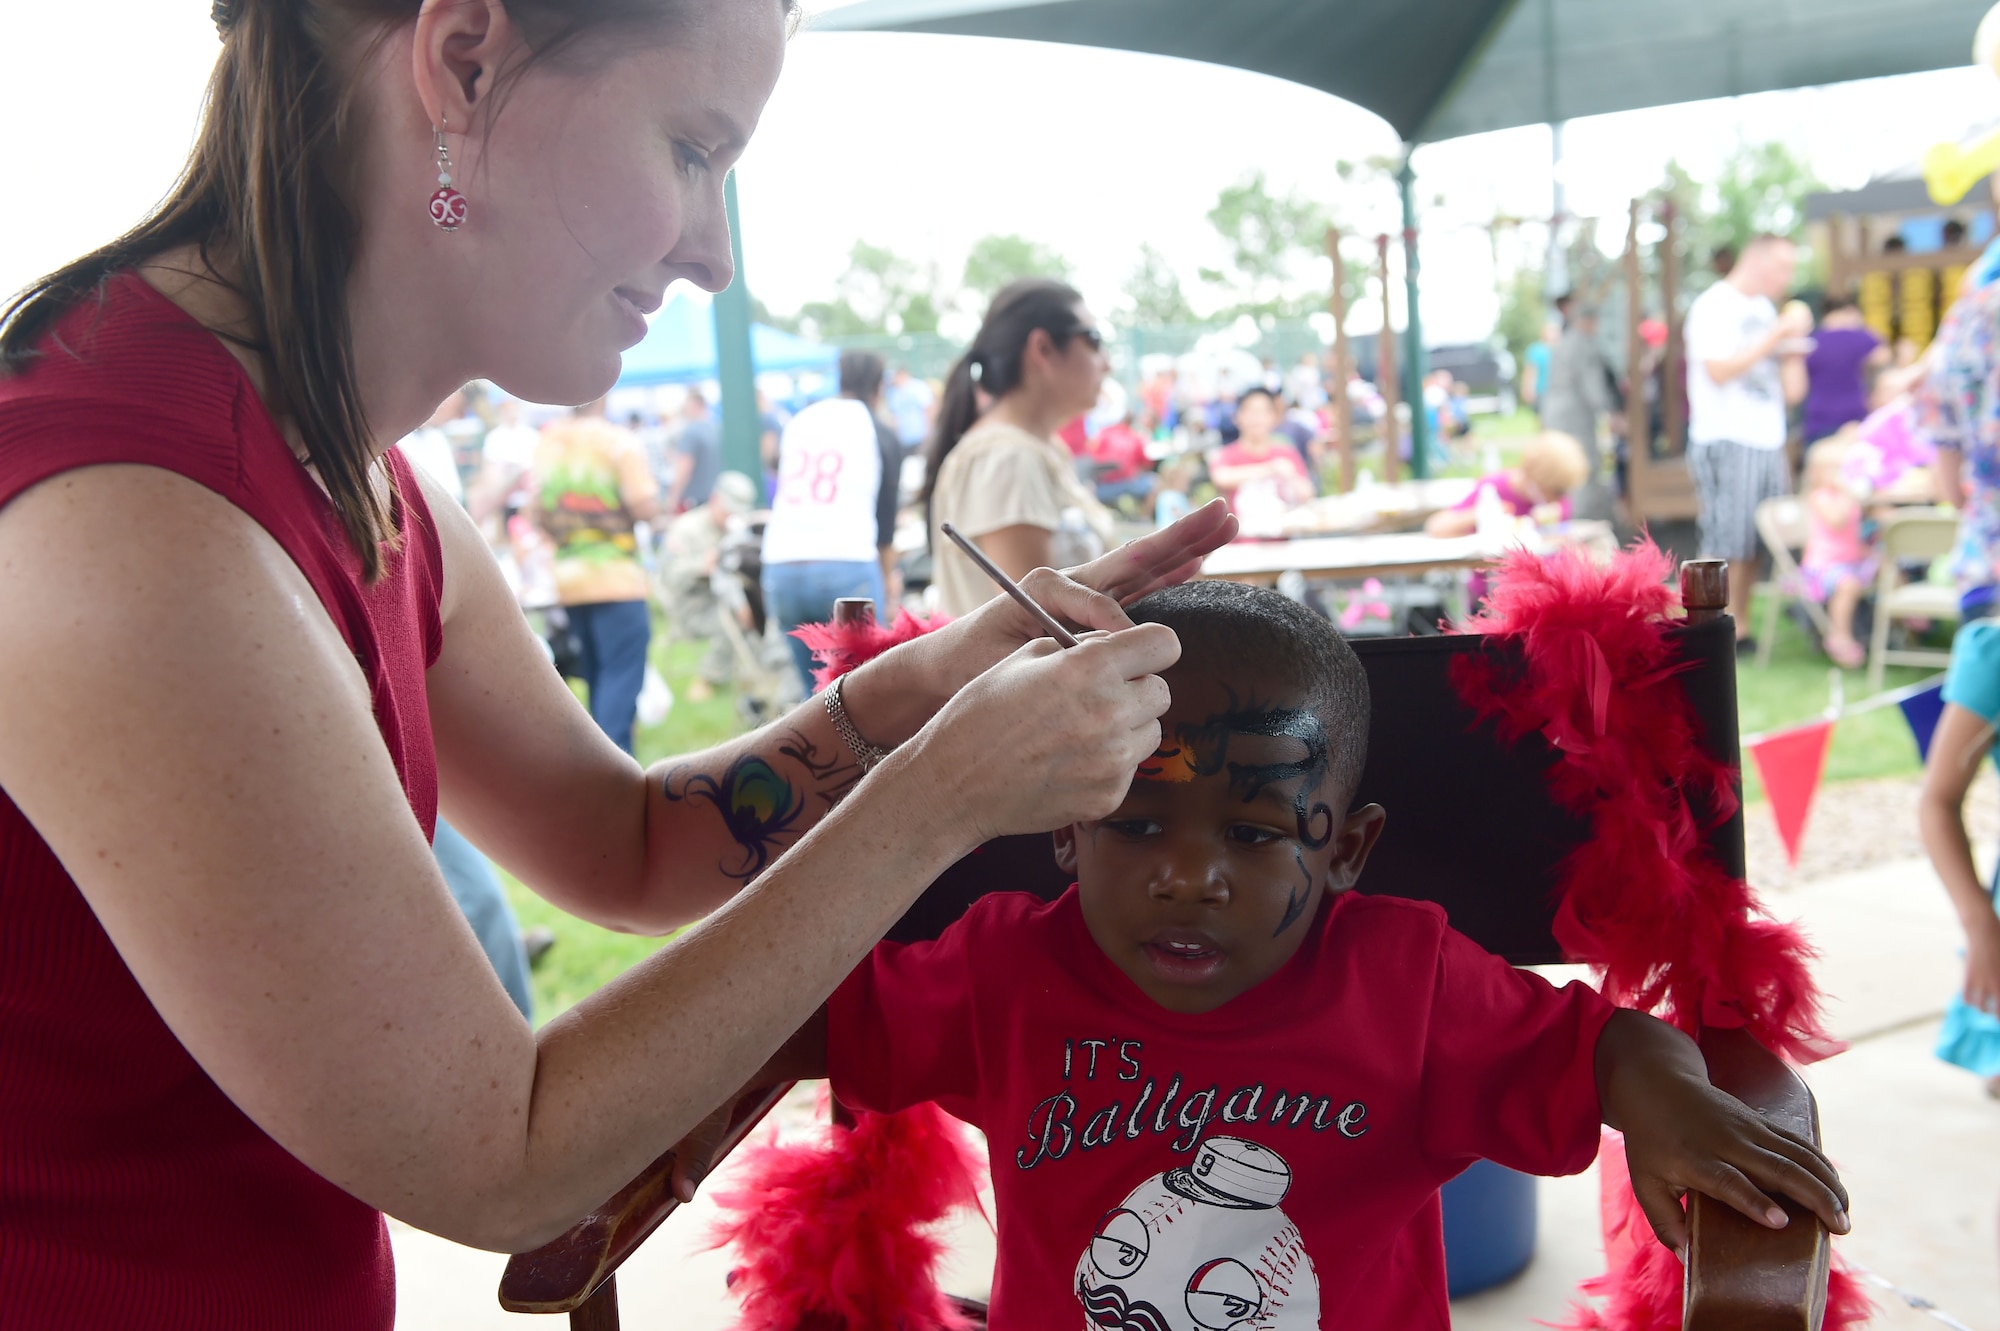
(1378, 555)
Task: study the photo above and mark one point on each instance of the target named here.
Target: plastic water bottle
(1490, 516)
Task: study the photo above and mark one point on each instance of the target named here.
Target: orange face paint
(1174, 765)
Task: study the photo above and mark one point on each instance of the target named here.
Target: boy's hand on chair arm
(801, 1058)
(1683, 1135)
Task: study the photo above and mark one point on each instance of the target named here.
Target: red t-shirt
(1273, 1163)
(1124, 448)
(133, 1191)
(1267, 496)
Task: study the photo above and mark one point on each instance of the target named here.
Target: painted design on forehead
(1170, 763)
(1203, 750)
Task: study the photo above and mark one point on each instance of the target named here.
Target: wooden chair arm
(1740, 1275)
(561, 1276)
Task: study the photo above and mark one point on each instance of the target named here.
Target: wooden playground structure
(1658, 486)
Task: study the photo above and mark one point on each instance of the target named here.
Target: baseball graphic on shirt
(1204, 1247)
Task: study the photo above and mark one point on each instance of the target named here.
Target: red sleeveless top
(133, 1193)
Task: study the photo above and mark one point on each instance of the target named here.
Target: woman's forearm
(1959, 743)
(717, 819)
(1950, 851)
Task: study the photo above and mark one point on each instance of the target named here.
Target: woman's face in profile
(600, 183)
(1078, 365)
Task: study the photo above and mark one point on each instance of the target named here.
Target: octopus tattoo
(758, 805)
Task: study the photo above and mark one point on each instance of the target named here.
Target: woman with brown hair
(997, 473)
(251, 656)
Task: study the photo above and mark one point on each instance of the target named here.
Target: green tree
(1153, 290)
(1522, 312)
(1270, 241)
(764, 314)
(1761, 188)
(833, 318)
(880, 292)
(994, 261)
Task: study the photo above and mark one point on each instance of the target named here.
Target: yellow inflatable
(1952, 169)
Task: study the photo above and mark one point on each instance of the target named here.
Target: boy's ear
(1066, 848)
(1351, 845)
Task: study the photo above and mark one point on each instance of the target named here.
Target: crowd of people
(1027, 446)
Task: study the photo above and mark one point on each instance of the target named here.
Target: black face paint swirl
(1207, 747)
(1295, 905)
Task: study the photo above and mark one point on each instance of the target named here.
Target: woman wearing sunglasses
(997, 472)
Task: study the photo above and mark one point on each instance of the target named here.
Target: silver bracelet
(868, 755)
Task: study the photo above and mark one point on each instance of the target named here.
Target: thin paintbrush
(1009, 586)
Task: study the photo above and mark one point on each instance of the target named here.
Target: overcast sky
(925, 143)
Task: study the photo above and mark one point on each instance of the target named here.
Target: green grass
(1792, 689)
(586, 957)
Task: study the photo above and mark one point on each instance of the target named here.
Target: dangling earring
(447, 205)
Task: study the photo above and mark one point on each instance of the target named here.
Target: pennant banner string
(1836, 711)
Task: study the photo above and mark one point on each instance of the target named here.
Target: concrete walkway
(1918, 1142)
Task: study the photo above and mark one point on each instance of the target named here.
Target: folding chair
(1909, 536)
(1470, 820)
(1783, 526)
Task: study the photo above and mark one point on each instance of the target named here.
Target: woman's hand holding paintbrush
(1092, 595)
(1011, 587)
(1084, 719)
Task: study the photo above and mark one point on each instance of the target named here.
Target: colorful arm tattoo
(758, 804)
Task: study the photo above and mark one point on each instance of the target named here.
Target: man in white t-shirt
(1739, 384)
(832, 529)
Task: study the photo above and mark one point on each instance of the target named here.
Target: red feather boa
(1643, 899)
(836, 1233)
(839, 648)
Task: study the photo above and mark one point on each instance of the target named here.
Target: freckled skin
(1204, 882)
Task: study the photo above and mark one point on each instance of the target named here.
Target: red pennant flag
(1789, 764)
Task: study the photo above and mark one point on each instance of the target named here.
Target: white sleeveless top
(829, 475)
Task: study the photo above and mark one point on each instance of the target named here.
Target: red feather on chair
(840, 648)
(836, 1234)
(1643, 899)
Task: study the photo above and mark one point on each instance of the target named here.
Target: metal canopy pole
(1413, 329)
(1385, 371)
(734, 367)
(1343, 406)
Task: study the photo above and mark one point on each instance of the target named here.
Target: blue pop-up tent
(679, 348)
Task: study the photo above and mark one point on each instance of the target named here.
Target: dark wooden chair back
(1470, 826)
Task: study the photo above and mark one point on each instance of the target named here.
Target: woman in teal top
(1964, 735)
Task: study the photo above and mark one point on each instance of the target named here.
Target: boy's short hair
(1258, 391)
(1555, 462)
(1228, 627)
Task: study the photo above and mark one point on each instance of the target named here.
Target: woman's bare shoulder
(127, 563)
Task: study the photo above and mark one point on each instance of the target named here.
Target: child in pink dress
(1552, 465)
(1837, 565)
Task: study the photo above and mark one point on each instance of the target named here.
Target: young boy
(1219, 1089)
(1261, 474)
